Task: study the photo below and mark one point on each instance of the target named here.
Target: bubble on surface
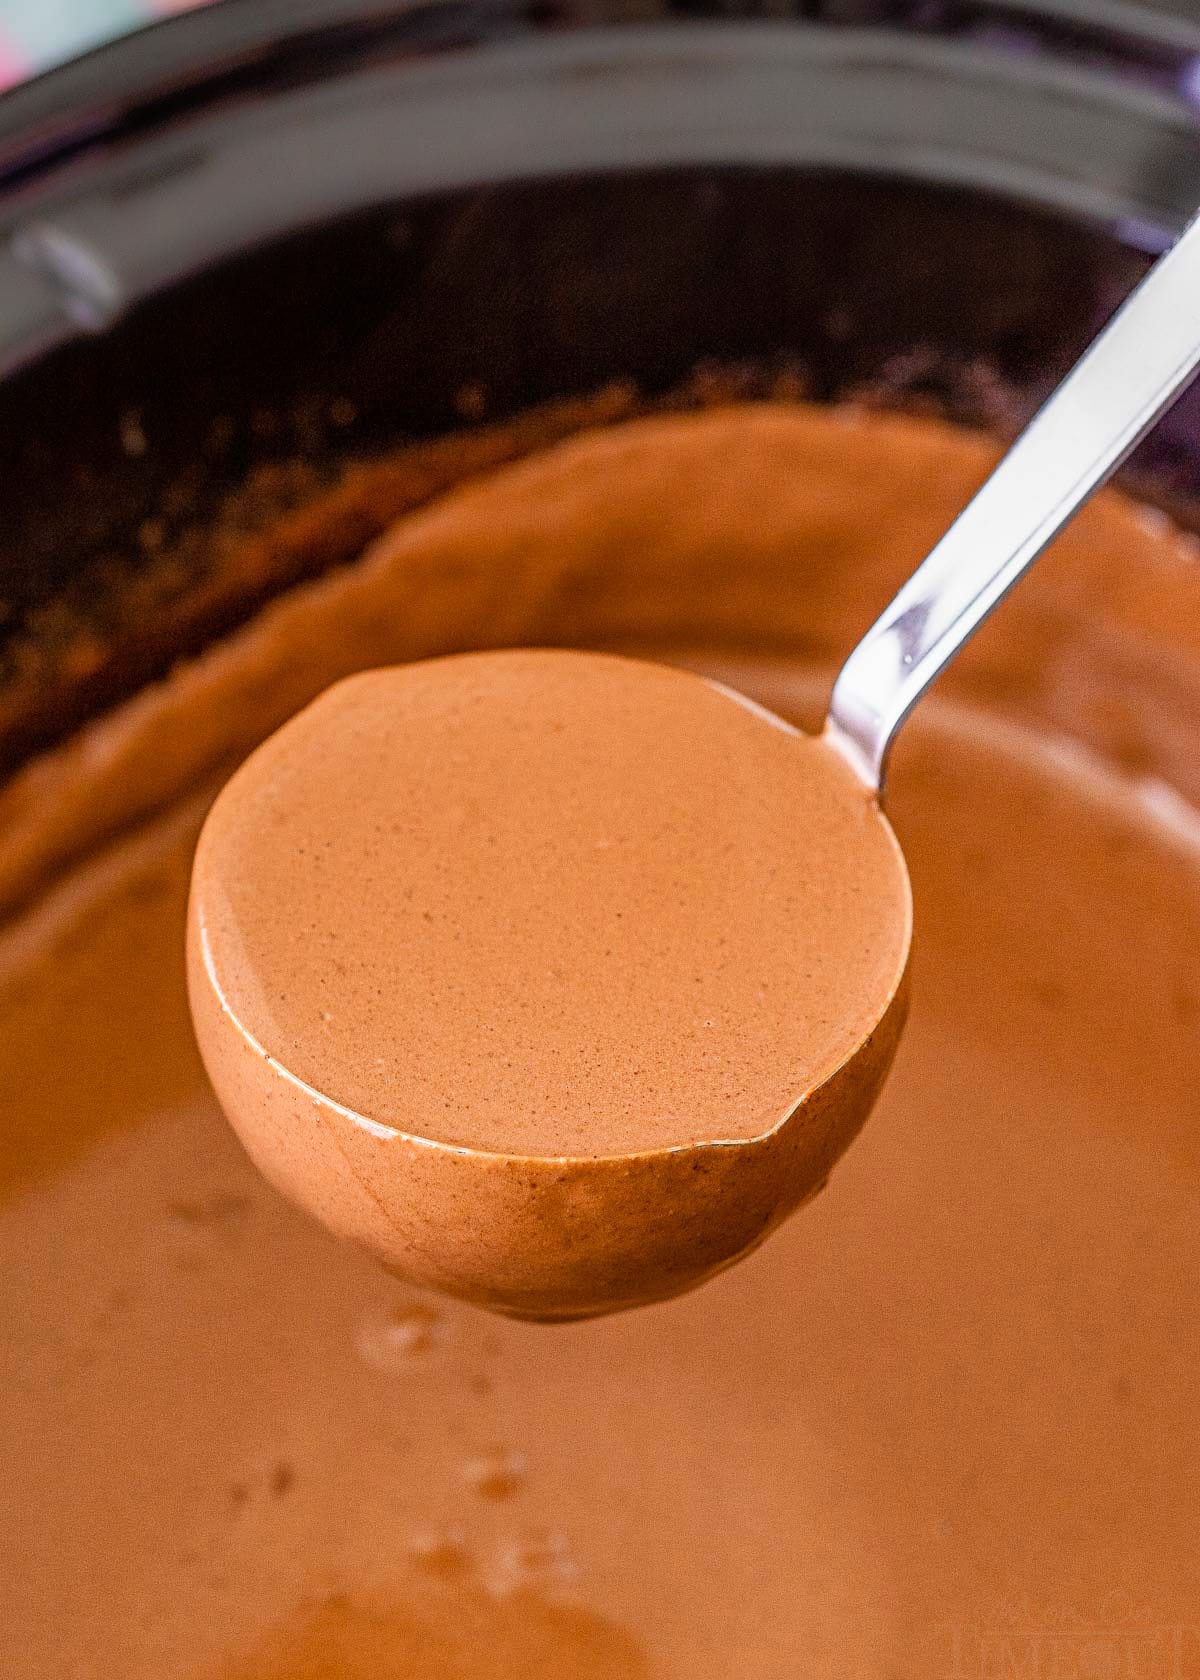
(390, 1338)
(198, 1226)
(221, 1211)
(441, 1552)
(496, 1472)
(282, 1479)
(539, 1560)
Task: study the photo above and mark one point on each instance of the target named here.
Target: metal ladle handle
(1134, 371)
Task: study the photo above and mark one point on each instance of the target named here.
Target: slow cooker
(344, 255)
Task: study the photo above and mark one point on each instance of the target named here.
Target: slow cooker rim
(89, 231)
(189, 58)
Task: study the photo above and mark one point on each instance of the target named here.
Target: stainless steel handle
(1132, 374)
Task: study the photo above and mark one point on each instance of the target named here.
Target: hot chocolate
(556, 979)
(942, 1422)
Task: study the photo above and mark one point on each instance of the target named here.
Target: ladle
(1133, 372)
(491, 760)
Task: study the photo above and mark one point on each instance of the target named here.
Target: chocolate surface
(949, 1412)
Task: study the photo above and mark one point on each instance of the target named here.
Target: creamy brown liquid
(552, 904)
(943, 1424)
(587, 922)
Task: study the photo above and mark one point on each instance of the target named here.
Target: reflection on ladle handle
(1131, 375)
